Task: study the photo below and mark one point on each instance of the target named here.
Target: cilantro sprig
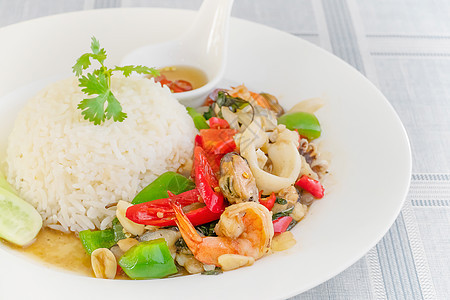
(99, 83)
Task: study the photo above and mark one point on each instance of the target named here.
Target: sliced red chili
(160, 213)
(312, 186)
(206, 182)
(198, 141)
(179, 86)
(163, 80)
(160, 208)
(268, 202)
(281, 224)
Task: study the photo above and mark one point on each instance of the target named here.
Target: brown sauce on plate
(64, 251)
(58, 249)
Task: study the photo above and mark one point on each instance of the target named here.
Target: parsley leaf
(114, 109)
(95, 45)
(99, 83)
(82, 64)
(127, 70)
(93, 84)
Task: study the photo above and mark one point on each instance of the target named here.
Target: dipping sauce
(182, 78)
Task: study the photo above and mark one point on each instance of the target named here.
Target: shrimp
(244, 229)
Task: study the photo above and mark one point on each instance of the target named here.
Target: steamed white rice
(69, 169)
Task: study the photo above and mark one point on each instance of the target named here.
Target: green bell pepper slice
(305, 123)
(149, 259)
(92, 240)
(199, 120)
(169, 181)
(107, 238)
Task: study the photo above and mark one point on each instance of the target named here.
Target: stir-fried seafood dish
(153, 189)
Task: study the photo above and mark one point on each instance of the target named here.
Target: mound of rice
(69, 168)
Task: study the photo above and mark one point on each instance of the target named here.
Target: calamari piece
(286, 161)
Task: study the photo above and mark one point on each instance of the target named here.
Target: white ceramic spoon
(203, 45)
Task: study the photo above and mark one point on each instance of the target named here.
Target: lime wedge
(19, 220)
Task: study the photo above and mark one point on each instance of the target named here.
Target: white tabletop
(403, 47)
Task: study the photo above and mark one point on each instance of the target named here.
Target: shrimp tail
(187, 230)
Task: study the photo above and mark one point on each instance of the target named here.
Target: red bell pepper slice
(268, 202)
(218, 141)
(207, 183)
(218, 123)
(312, 186)
(281, 224)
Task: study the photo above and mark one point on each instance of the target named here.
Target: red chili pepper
(202, 215)
(218, 123)
(149, 213)
(268, 202)
(300, 137)
(207, 183)
(163, 80)
(197, 216)
(198, 141)
(179, 86)
(176, 86)
(119, 270)
(141, 213)
(281, 224)
(312, 186)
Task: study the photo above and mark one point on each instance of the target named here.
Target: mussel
(236, 179)
(272, 103)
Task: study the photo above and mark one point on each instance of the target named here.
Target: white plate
(370, 154)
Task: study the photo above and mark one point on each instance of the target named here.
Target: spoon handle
(211, 24)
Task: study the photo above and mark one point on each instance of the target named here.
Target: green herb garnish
(209, 114)
(216, 271)
(281, 201)
(169, 181)
(291, 225)
(283, 213)
(234, 103)
(99, 83)
(208, 228)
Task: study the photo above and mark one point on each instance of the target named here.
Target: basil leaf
(282, 213)
(208, 228)
(209, 114)
(281, 201)
(169, 181)
(216, 271)
(234, 103)
(118, 230)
